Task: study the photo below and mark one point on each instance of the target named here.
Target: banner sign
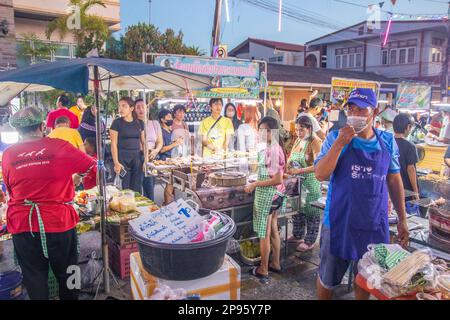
(341, 88)
(413, 96)
(235, 79)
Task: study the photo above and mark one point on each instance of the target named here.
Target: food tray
(185, 175)
(162, 167)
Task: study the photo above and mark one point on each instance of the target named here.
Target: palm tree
(93, 32)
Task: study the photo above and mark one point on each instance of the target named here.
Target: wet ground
(296, 283)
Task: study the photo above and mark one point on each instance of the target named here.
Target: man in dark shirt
(403, 125)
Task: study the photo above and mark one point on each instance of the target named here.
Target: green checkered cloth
(394, 258)
(263, 200)
(386, 259)
(310, 183)
(35, 206)
(381, 252)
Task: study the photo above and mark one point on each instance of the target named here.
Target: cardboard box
(225, 284)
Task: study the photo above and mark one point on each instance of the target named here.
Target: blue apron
(359, 201)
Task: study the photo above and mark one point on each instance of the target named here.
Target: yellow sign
(353, 84)
(229, 90)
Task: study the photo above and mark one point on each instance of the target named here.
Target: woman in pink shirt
(269, 197)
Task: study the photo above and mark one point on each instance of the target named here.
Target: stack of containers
(120, 246)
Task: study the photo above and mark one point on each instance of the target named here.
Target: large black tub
(183, 262)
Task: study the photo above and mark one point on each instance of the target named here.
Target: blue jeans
(149, 187)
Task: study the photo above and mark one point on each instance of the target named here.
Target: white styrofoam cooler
(225, 284)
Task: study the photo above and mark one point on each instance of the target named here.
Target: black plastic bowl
(183, 262)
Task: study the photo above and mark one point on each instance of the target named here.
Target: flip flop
(278, 271)
(262, 277)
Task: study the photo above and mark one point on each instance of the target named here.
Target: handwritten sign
(175, 223)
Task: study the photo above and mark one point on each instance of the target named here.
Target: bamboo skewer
(402, 273)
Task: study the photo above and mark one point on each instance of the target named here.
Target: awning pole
(101, 181)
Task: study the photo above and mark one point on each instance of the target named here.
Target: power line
(292, 14)
(390, 12)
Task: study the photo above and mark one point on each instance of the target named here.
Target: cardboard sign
(176, 223)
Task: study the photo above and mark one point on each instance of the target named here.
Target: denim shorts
(332, 269)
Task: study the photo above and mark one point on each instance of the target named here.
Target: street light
(8, 135)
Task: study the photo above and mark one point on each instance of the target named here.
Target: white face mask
(358, 123)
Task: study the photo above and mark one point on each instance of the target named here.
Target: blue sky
(195, 17)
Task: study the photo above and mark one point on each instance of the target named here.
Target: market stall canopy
(76, 76)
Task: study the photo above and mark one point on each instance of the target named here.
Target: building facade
(27, 17)
(270, 51)
(414, 50)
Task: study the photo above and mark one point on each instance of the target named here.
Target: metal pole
(101, 182)
(444, 75)
(216, 26)
(149, 11)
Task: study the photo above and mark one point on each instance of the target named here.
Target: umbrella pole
(101, 182)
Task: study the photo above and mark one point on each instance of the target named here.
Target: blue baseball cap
(363, 98)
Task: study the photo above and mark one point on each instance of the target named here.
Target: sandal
(262, 277)
(278, 271)
(303, 247)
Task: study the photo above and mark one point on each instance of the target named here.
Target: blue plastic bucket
(11, 285)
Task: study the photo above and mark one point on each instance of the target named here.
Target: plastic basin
(11, 285)
(182, 262)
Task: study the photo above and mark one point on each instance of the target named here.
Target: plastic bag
(118, 182)
(233, 246)
(419, 279)
(163, 292)
(91, 276)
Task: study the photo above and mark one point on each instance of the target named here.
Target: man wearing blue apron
(363, 164)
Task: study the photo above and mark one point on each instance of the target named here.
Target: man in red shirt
(62, 104)
(38, 174)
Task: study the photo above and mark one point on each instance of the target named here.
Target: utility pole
(149, 11)
(216, 26)
(444, 75)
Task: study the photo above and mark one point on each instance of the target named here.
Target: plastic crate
(53, 286)
(119, 233)
(119, 257)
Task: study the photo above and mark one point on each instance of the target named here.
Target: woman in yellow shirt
(79, 108)
(216, 130)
